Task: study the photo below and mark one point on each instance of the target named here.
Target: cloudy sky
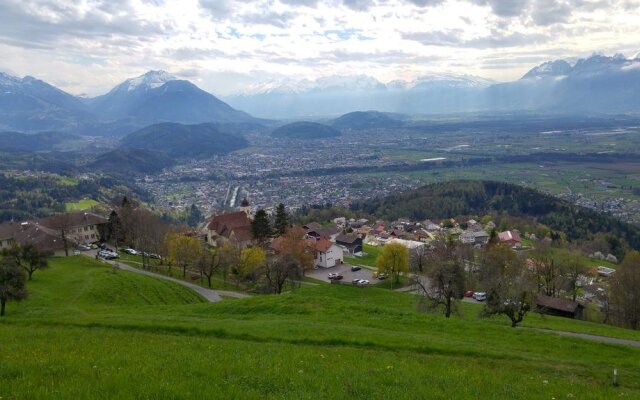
(225, 46)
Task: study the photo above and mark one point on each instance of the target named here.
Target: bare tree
(279, 270)
(209, 263)
(443, 280)
(62, 223)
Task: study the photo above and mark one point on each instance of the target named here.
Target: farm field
(87, 332)
(81, 205)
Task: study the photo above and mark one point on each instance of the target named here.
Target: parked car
(107, 255)
(382, 276)
(154, 255)
(102, 245)
(131, 251)
(332, 275)
(468, 293)
(355, 281)
(337, 278)
(355, 268)
(84, 247)
(480, 296)
(363, 282)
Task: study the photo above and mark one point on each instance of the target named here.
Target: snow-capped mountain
(31, 104)
(158, 96)
(557, 68)
(597, 83)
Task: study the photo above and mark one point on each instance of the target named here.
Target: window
(93, 236)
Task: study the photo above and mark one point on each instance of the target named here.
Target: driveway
(344, 270)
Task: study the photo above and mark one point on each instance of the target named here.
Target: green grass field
(82, 205)
(86, 332)
(369, 259)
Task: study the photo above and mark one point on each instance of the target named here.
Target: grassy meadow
(87, 332)
(81, 205)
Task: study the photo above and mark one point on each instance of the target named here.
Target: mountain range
(29, 104)
(597, 84)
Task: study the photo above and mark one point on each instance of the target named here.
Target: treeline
(449, 199)
(30, 197)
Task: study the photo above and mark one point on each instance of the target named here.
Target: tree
(183, 250)
(250, 261)
(278, 270)
(508, 282)
(260, 227)
(418, 259)
(293, 244)
(443, 282)
(229, 255)
(393, 260)
(13, 282)
(62, 224)
(114, 229)
(625, 291)
(33, 259)
(208, 263)
(282, 220)
(195, 216)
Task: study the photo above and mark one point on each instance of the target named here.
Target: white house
(327, 254)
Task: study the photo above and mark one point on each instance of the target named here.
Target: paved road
(602, 339)
(210, 295)
(322, 274)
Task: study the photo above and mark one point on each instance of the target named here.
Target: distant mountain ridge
(305, 131)
(184, 141)
(29, 104)
(595, 84)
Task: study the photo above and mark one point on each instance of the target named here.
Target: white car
(131, 251)
(480, 296)
(362, 282)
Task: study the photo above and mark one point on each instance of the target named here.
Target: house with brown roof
(234, 227)
(349, 243)
(327, 254)
(80, 227)
(46, 233)
(559, 307)
(317, 231)
(512, 238)
(30, 232)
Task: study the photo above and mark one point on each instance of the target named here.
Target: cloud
(548, 12)
(454, 38)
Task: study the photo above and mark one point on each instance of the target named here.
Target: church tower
(246, 207)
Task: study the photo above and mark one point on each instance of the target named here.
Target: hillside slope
(455, 198)
(88, 331)
(178, 140)
(305, 131)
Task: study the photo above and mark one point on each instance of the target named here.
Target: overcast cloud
(224, 46)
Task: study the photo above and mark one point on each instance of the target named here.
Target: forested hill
(455, 198)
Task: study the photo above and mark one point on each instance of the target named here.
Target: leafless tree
(279, 270)
(62, 223)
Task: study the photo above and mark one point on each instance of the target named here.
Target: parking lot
(344, 270)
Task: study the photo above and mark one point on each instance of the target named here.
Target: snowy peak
(555, 68)
(362, 83)
(8, 80)
(150, 80)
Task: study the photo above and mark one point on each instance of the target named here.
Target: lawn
(86, 332)
(369, 259)
(82, 205)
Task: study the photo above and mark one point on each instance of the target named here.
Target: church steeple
(246, 207)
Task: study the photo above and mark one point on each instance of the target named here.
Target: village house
(78, 227)
(349, 243)
(512, 238)
(46, 233)
(326, 253)
(474, 237)
(317, 231)
(559, 307)
(234, 227)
